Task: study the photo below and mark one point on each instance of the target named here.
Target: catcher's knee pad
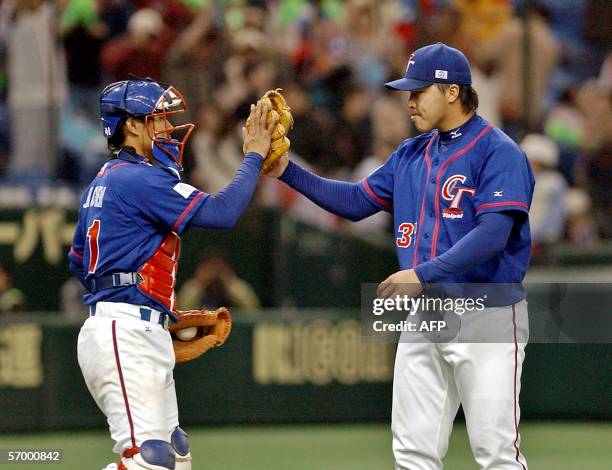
(180, 444)
(179, 441)
(154, 454)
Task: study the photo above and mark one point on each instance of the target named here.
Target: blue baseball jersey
(436, 185)
(125, 213)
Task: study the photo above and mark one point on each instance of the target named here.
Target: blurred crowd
(331, 57)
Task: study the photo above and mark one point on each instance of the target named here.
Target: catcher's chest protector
(159, 271)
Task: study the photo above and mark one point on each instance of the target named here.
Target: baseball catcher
(125, 251)
(280, 113)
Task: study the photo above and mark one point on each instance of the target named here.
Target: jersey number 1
(406, 229)
(93, 232)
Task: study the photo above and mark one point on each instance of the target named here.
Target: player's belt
(122, 310)
(114, 280)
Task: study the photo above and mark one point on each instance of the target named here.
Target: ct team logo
(452, 192)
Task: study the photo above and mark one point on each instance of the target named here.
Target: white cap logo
(410, 62)
(443, 74)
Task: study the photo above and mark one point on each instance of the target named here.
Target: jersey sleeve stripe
(188, 209)
(502, 204)
(377, 199)
(76, 254)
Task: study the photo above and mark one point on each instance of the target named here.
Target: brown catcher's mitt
(211, 329)
(279, 110)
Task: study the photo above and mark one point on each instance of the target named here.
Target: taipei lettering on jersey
(437, 184)
(125, 213)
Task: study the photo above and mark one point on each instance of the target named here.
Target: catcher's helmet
(148, 99)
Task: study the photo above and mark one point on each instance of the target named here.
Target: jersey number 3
(406, 229)
(93, 232)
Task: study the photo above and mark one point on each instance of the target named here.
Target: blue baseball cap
(436, 63)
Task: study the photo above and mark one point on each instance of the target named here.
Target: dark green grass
(554, 446)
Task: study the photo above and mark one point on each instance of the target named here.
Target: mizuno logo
(454, 134)
(498, 193)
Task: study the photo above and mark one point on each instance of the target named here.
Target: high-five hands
(258, 135)
(279, 115)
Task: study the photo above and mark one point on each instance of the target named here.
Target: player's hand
(259, 135)
(401, 283)
(279, 167)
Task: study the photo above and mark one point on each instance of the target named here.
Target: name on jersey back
(95, 197)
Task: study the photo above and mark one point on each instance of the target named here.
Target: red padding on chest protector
(159, 272)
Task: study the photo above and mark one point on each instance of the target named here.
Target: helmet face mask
(167, 137)
(154, 103)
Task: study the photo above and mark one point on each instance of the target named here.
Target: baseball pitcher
(459, 194)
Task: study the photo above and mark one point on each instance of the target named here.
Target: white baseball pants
(127, 364)
(432, 380)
